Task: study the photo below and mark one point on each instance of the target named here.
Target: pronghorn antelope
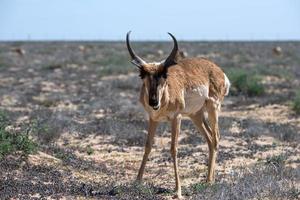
(179, 87)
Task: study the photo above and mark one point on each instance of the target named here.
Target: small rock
(82, 48)
(19, 51)
(277, 51)
(160, 52)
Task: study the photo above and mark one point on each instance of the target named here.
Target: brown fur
(188, 73)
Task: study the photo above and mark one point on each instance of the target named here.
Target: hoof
(138, 181)
(210, 182)
(177, 196)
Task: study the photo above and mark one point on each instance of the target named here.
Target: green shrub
(277, 160)
(14, 141)
(137, 190)
(199, 187)
(244, 82)
(296, 102)
(89, 150)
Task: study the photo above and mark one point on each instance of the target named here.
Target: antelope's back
(200, 71)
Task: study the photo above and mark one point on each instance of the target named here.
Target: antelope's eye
(161, 75)
(157, 76)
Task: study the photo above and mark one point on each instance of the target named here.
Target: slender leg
(212, 110)
(203, 127)
(148, 146)
(176, 123)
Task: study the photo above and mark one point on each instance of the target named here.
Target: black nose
(153, 102)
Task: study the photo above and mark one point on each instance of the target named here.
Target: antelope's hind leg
(211, 136)
(213, 118)
(148, 146)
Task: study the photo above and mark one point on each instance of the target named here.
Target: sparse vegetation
(1, 64)
(91, 131)
(114, 64)
(89, 150)
(199, 187)
(258, 182)
(278, 160)
(58, 153)
(46, 131)
(12, 141)
(245, 82)
(136, 190)
(296, 102)
(280, 72)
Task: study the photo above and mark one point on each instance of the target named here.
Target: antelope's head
(154, 75)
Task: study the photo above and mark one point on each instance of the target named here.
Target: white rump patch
(227, 84)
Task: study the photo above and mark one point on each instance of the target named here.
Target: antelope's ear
(137, 64)
(143, 73)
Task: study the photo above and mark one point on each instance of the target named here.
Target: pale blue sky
(149, 20)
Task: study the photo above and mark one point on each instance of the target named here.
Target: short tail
(227, 85)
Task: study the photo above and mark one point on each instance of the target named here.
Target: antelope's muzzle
(153, 102)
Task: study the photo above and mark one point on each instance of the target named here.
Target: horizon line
(138, 40)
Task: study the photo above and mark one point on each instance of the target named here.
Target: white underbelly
(194, 99)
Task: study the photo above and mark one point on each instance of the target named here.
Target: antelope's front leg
(176, 122)
(151, 132)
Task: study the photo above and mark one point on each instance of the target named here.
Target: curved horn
(136, 60)
(171, 59)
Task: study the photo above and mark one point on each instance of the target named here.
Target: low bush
(12, 141)
(296, 102)
(245, 82)
(278, 160)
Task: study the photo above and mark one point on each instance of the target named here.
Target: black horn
(136, 60)
(171, 60)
